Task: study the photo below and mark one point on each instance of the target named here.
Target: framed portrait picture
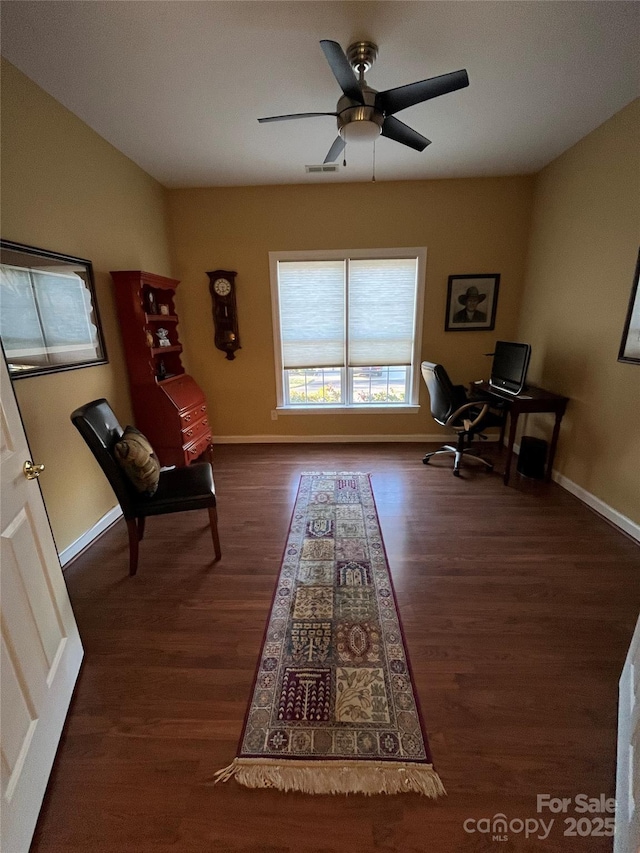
(471, 303)
(49, 319)
(630, 344)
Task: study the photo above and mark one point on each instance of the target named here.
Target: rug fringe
(332, 777)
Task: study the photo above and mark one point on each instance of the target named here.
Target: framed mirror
(49, 317)
(630, 345)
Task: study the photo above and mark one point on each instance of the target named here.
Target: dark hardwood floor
(518, 606)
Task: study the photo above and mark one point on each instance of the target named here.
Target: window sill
(402, 409)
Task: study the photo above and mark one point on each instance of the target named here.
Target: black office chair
(451, 407)
(179, 489)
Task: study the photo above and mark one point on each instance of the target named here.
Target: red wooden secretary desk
(168, 404)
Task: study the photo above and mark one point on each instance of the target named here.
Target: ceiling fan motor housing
(359, 121)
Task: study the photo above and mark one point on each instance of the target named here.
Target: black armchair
(451, 407)
(179, 489)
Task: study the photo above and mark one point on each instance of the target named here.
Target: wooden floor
(518, 605)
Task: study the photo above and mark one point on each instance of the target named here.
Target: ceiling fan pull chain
(344, 160)
(373, 176)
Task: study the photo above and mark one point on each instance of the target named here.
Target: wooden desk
(530, 401)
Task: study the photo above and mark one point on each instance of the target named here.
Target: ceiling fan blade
(397, 130)
(336, 150)
(294, 115)
(342, 71)
(394, 100)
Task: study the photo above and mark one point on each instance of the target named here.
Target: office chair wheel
(456, 472)
(425, 461)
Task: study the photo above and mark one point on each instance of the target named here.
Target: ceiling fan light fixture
(360, 131)
(360, 124)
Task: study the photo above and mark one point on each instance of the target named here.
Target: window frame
(413, 383)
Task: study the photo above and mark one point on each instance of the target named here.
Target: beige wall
(468, 226)
(65, 189)
(584, 246)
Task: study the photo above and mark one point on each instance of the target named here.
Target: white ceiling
(178, 86)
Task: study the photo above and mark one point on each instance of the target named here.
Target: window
(347, 328)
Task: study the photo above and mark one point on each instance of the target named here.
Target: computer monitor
(509, 368)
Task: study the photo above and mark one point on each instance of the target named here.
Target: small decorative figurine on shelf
(149, 339)
(162, 370)
(151, 303)
(163, 338)
(164, 309)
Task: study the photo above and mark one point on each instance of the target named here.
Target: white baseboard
(335, 439)
(617, 518)
(89, 535)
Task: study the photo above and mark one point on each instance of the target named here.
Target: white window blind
(381, 317)
(312, 313)
(382, 297)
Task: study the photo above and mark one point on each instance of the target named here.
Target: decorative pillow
(135, 455)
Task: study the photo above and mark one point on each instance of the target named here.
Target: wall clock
(222, 286)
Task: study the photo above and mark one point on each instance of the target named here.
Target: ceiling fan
(363, 113)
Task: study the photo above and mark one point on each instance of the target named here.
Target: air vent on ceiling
(323, 167)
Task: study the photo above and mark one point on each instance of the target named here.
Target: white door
(41, 649)
(627, 836)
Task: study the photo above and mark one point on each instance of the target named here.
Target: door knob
(32, 471)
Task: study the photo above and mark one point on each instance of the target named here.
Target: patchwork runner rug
(333, 707)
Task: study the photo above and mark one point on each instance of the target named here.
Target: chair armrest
(458, 412)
